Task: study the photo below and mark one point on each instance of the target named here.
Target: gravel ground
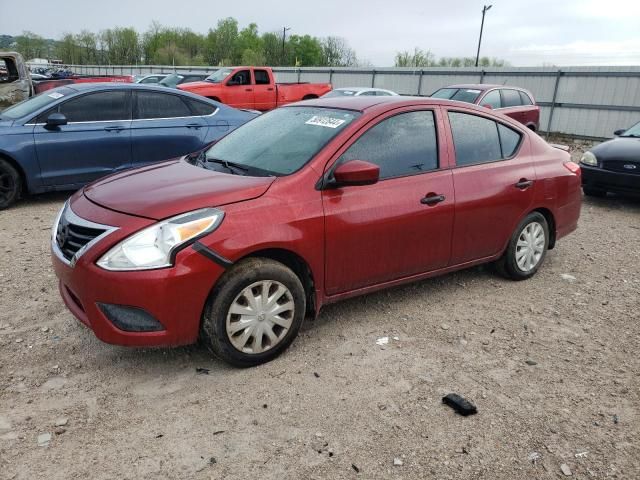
(551, 363)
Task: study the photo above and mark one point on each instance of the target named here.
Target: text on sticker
(321, 121)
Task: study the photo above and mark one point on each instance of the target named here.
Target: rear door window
(97, 107)
(480, 140)
(510, 98)
(261, 76)
(525, 99)
(160, 105)
(402, 145)
(200, 108)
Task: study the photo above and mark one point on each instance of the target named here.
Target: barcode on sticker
(321, 121)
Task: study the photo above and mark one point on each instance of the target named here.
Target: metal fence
(588, 102)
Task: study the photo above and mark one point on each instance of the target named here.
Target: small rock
(19, 340)
(568, 278)
(564, 468)
(44, 329)
(444, 326)
(397, 462)
(616, 419)
(316, 374)
(61, 422)
(382, 341)
(44, 439)
(534, 457)
(60, 430)
(529, 361)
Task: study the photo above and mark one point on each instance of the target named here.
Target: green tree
(418, 59)
(337, 53)
(31, 45)
(306, 50)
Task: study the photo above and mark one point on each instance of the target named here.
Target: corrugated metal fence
(588, 102)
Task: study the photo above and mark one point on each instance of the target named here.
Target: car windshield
(282, 141)
(633, 131)
(468, 95)
(340, 93)
(171, 80)
(219, 76)
(33, 104)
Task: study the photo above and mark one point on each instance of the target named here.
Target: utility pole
(484, 10)
(284, 35)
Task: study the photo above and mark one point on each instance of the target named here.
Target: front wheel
(255, 312)
(10, 184)
(527, 248)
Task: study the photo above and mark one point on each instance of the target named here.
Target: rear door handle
(523, 184)
(247, 89)
(432, 199)
(114, 128)
(270, 89)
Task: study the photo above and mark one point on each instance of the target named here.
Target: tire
(510, 265)
(222, 329)
(10, 184)
(309, 97)
(594, 192)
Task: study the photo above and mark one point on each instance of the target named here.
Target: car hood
(193, 86)
(169, 188)
(625, 149)
(5, 123)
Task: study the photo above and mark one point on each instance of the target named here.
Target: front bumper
(610, 181)
(169, 300)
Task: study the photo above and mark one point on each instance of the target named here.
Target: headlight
(155, 246)
(589, 158)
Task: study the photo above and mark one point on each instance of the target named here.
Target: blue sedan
(67, 137)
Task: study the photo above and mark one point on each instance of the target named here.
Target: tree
(337, 53)
(225, 41)
(306, 51)
(418, 59)
(31, 45)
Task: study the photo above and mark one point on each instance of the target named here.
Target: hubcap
(260, 316)
(530, 246)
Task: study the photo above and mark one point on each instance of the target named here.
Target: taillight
(572, 167)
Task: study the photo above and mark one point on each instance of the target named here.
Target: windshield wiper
(227, 164)
(631, 135)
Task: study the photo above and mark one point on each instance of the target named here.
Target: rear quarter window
(510, 98)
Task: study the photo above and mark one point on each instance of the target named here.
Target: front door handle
(247, 89)
(523, 184)
(194, 125)
(270, 89)
(432, 199)
(114, 128)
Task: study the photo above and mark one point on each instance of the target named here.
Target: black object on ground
(202, 371)
(459, 404)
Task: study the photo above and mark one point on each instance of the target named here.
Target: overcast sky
(525, 33)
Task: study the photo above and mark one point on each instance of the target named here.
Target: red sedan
(307, 205)
(514, 102)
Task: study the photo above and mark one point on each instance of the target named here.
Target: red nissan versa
(303, 206)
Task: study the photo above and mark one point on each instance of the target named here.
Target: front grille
(622, 166)
(71, 237)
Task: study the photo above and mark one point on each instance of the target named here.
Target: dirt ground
(551, 363)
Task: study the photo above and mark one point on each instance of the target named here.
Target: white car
(152, 78)
(358, 91)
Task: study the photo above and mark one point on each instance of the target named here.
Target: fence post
(482, 76)
(420, 82)
(373, 78)
(331, 76)
(298, 74)
(553, 103)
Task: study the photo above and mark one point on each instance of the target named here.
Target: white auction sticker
(56, 95)
(321, 121)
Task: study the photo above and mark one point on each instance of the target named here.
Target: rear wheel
(527, 248)
(255, 312)
(594, 192)
(10, 184)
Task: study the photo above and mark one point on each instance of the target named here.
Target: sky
(525, 33)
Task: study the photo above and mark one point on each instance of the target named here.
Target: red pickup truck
(254, 88)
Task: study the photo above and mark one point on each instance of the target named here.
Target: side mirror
(619, 132)
(56, 119)
(487, 105)
(356, 172)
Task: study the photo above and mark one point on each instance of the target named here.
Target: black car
(613, 166)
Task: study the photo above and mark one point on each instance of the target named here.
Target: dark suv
(514, 102)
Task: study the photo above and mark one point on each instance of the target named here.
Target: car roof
(482, 86)
(363, 103)
(363, 89)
